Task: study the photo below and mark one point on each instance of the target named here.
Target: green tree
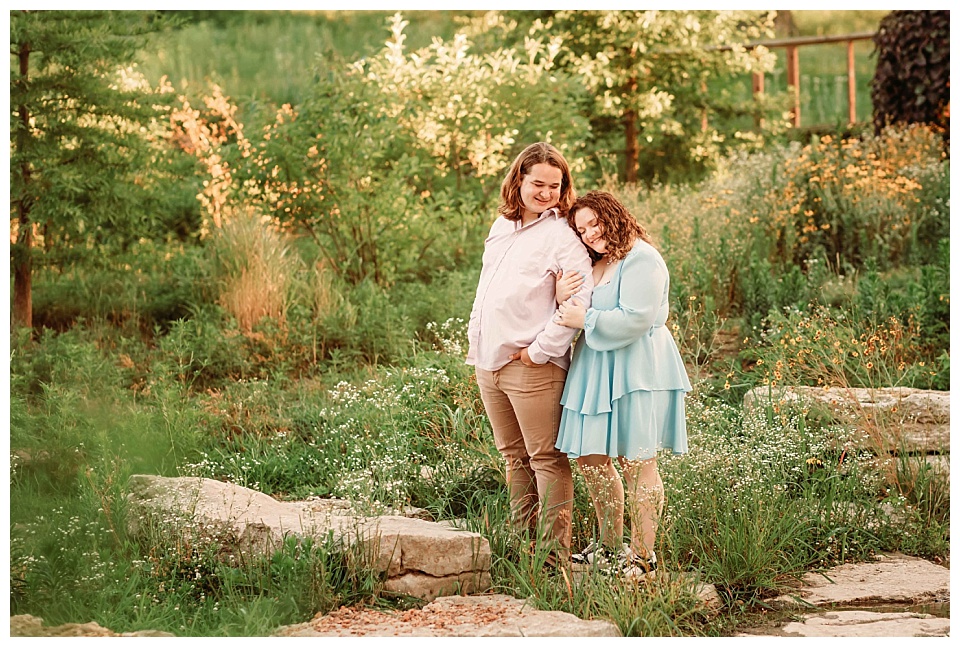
(80, 131)
(649, 73)
(393, 164)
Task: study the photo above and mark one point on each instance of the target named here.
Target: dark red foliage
(912, 81)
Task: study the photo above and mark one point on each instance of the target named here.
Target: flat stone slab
(913, 420)
(867, 624)
(420, 558)
(32, 626)
(454, 616)
(893, 579)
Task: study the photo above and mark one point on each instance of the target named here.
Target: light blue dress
(625, 389)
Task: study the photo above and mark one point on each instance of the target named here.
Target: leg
(606, 493)
(509, 441)
(644, 497)
(535, 396)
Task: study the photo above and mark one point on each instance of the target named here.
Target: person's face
(540, 188)
(591, 233)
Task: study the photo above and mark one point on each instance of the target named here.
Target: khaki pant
(523, 405)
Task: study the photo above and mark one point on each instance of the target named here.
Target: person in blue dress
(624, 395)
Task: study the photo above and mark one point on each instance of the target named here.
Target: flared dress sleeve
(642, 302)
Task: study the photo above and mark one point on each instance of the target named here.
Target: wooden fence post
(757, 93)
(793, 81)
(851, 85)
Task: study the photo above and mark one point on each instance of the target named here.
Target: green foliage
(267, 58)
(649, 70)
(356, 388)
(91, 173)
(142, 290)
(439, 126)
(912, 81)
(83, 131)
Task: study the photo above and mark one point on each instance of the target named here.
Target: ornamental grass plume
(253, 268)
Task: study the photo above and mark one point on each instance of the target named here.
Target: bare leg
(606, 493)
(644, 498)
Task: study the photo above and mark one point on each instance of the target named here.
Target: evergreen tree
(80, 159)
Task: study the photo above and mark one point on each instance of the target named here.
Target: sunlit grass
(362, 393)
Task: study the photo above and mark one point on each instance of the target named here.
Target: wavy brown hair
(511, 206)
(618, 225)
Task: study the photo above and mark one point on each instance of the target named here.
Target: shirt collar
(552, 211)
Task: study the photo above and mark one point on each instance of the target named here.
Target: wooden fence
(792, 47)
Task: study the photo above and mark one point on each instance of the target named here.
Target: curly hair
(511, 206)
(618, 225)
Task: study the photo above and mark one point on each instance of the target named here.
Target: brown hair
(618, 225)
(511, 206)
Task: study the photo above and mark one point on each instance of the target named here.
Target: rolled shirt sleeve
(570, 255)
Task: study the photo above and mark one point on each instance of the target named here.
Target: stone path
(886, 598)
(907, 428)
(32, 626)
(454, 616)
(868, 599)
(892, 596)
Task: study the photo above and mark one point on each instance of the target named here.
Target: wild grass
(270, 57)
(362, 393)
(253, 267)
(772, 516)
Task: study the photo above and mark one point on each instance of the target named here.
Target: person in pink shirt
(520, 354)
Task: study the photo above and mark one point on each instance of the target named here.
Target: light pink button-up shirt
(516, 297)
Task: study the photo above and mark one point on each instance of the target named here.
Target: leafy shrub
(912, 81)
(823, 347)
(851, 200)
(388, 161)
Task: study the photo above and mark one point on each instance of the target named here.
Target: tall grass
(271, 57)
(253, 268)
(352, 392)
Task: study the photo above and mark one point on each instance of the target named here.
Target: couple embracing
(555, 265)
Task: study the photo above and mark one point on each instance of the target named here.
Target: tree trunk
(785, 25)
(631, 150)
(22, 259)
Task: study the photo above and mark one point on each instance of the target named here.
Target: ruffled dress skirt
(611, 404)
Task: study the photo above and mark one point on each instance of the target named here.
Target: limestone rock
(892, 579)
(454, 616)
(419, 558)
(870, 624)
(911, 420)
(27, 625)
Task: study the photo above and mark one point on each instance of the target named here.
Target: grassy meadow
(245, 357)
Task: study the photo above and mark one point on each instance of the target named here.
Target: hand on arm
(570, 254)
(568, 284)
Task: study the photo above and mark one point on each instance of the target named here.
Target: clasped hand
(571, 313)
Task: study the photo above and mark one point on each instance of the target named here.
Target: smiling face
(540, 189)
(591, 233)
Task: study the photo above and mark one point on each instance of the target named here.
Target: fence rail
(792, 47)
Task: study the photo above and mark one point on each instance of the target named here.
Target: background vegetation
(292, 318)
